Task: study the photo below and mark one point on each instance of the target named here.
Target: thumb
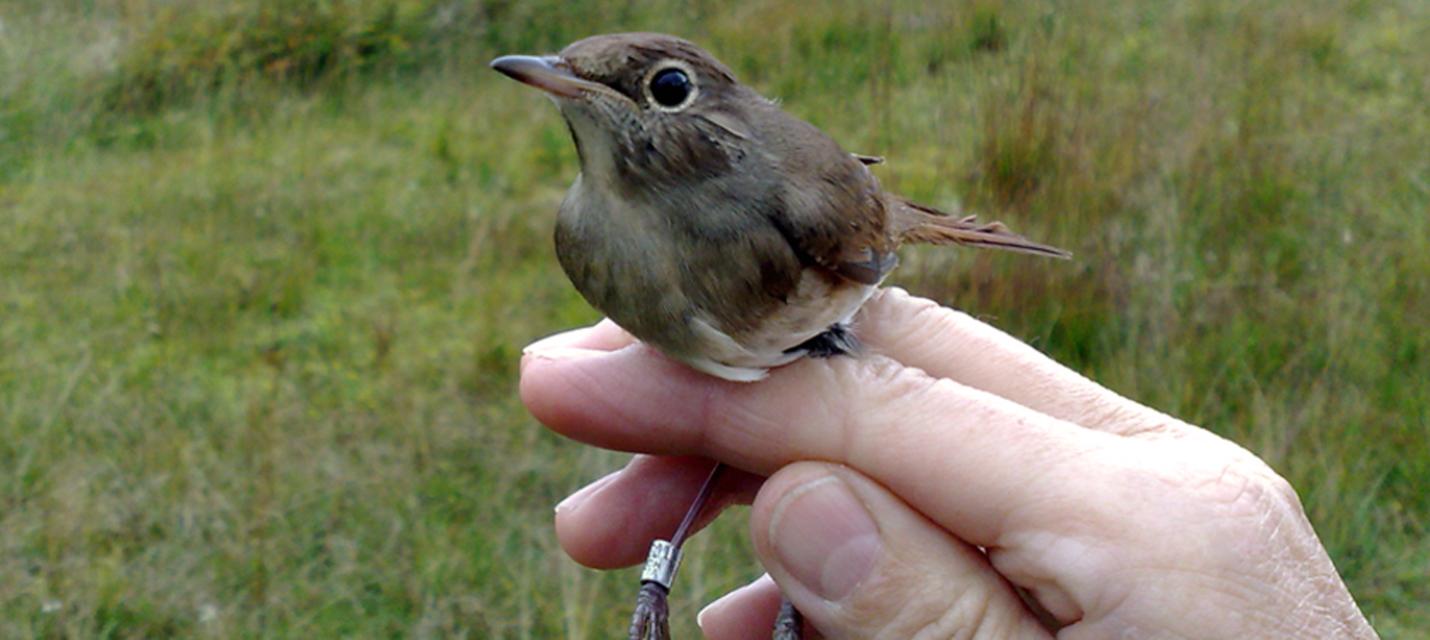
(860, 563)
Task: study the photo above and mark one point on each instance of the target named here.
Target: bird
(713, 225)
(710, 223)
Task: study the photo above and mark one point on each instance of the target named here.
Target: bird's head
(646, 110)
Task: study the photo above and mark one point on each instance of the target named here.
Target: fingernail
(714, 606)
(561, 353)
(729, 599)
(573, 501)
(555, 340)
(825, 538)
(556, 354)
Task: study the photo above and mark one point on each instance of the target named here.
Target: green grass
(262, 294)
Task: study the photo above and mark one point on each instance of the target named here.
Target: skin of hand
(950, 482)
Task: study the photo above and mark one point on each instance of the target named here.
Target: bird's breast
(719, 290)
(622, 266)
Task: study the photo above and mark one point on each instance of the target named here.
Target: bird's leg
(789, 624)
(651, 620)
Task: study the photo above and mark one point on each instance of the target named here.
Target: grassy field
(266, 270)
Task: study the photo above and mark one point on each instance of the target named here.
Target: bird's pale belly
(819, 302)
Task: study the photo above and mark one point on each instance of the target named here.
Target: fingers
(951, 344)
(968, 459)
(859, 563)
(611, 522)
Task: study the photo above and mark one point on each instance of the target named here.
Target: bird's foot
(837, 340)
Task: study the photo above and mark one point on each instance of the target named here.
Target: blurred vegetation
(186, 51)
(268, 267)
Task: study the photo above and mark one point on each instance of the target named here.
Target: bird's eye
(671, 87)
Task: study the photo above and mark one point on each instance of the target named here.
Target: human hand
(904, 493)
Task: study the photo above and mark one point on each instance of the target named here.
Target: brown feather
(916, 223)
(832, 209)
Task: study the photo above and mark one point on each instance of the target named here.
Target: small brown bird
(714, 226)
(711, 224)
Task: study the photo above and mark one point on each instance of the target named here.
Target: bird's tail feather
(918, 223)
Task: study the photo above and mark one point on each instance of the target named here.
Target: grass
(263, 293)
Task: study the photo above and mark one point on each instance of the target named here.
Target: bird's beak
(547, 73)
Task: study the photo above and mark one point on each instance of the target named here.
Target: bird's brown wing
(832, 213)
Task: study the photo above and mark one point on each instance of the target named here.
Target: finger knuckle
(1236, 493)
(938, 614)
(964, 618)
(1221, 511)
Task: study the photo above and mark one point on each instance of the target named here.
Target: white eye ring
(666, 65)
